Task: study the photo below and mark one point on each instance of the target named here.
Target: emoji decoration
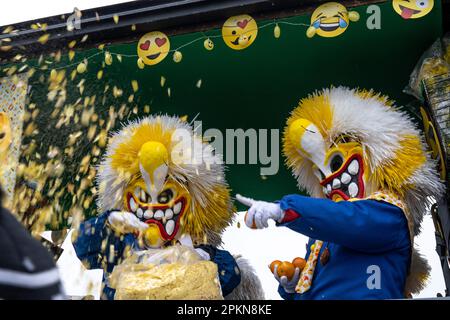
(412, 9)
(239, 32)
(208, 44)
(152, 48)
(330, 20)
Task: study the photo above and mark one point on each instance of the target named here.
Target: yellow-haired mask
(176, 188)
(342, 143)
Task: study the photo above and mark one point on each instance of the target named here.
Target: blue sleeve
(365, 225)
(95, 242)
(229, 272)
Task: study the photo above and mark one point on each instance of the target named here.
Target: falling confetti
(135, 85)
(44, 38)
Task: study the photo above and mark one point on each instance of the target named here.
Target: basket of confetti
(173, 273)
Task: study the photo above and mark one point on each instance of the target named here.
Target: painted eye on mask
(165, 196)
(336, 162)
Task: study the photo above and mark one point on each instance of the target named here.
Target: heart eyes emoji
(159, 42)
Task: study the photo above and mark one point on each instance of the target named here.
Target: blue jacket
(95, 242)
(365, 239)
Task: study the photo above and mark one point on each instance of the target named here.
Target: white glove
(125, 222)
(288, 285)
(203, 254)
(260, 212)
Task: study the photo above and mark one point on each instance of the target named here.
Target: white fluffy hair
(379, 127)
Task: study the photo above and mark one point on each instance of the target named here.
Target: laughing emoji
(239, 32)
(330, 20)
(153, 47)
(412, 9)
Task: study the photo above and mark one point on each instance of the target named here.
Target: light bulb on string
(277, 31)
(177, 56)
(208, 44)
(108, 58)
(140, 63)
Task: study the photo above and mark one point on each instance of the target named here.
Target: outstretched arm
(365, 225)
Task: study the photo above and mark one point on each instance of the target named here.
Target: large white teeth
(345, 178)
(139, 213)
(177, 208)
(159, 214)
(169, 214)
(328, 188)
(325, 191)
(148, 214)
(143, 196)
(133, 206)
(353, 189)
(336, 183)
(170, 226)
(353, 167)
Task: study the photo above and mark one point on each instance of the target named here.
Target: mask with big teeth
(339, 167)
(153, 198)
(346, 181)
(164, 212)
(151, 171)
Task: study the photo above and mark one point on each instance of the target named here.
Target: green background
(256, 87)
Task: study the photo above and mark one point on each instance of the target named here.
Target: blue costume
(96, 239)
(358, 234)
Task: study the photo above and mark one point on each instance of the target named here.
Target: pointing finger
(244, 200)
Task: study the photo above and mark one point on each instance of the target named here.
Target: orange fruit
(299, 263)
(273, 264)
(253, 222)
(287, 269)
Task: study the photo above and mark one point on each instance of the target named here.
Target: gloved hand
(125, 222)
(288, 285)
(260, 212)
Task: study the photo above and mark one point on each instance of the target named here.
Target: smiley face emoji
(153, 47)
(412, 9)
(330, 20)
(239, 32)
